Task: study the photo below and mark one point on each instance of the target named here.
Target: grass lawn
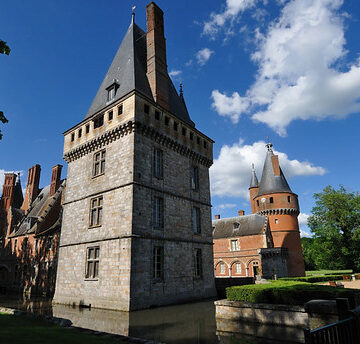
(23, 329)
(322, 272)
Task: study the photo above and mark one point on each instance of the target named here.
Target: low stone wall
(262, 313)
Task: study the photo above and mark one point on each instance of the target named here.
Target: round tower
(275, 199)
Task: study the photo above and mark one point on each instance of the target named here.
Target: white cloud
(298, 75)
(231, 172)
(303, 220)
(175, 73)
(225, 206)
(203, 56)
(231, 106)
(232, 9)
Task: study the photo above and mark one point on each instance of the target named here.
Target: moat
(192, 323)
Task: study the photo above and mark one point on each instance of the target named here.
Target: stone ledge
(240, 304)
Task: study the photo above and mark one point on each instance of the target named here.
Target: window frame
(236, 268)
(194, 178)
(222, 268)
(91, 272)
(111, 93)
(196, 220)
(158, 263)
(99, 163)
(158, 163)
(236, 246)
(197, 263)
(97, 210)
(158, 213)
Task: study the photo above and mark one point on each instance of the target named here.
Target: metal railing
(346, 331)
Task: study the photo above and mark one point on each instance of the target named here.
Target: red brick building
(29, 233)
(267, 242)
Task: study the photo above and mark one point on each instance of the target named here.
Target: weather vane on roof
(133, 13)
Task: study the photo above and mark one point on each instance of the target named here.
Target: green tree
(4, 49)
(335, 223)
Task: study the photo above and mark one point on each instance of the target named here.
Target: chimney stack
(241, 212)
(55, 179)
(217, 217)
(156, 55)
(32, 187)
(8, 191)
(275, 164)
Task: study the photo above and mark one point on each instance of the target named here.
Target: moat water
(193, 323)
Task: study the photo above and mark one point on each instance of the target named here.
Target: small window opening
(289, 199)
(175, 126)
(79, 132)
(87, 128)
(146, 108)
(157, 114)
(167, 120)
(205, 144)
(276, 221)
(110, 115)
(120, 110)
(257, 202)
(271, 200)
(198, 140)
(98, 121)
(236, 225)
(184, 131)
(111, 93)
(191, 135)
(72, 137)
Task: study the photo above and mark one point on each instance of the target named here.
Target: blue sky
(289, 70)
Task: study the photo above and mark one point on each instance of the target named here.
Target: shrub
(313, 279)
(287, 293)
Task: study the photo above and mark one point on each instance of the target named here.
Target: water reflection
(193, 323)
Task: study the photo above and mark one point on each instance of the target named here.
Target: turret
(253, 189)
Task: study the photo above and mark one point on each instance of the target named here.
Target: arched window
(222, 268)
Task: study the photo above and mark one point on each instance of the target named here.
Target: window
(236, 225)
(194, 178)
(87, 128)
(234, 245)
(96, 205)
(175, 126)
(257, 202)
(99, 163)
(146, 108)
(196, 220)
(72, 137)
(276, 221)
(158, 212)
(222, 268)
(289, 199)
(197, 263)
(238, 268)
(191, 135)
(158, 262)
(183, 131)
(157, 114)
(158, 163)
(111, 94)
(198, 140)
(120, 110)
(92, 262)
(79, 133)
(205, 144)
(111, 115)
(167, 120)
(271, 199)
(98, 121)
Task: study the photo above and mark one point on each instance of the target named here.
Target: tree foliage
(335, 224)
(4, 49)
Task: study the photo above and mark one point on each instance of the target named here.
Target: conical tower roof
(128, 73)
(254, 183)
(270, 182)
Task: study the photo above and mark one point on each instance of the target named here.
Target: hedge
(312, 279)
(288, 293)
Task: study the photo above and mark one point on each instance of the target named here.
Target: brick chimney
(217, 217)
(32, 187)
(8, 191)
(241, 212)
(55, 179)
(275, 164)
(156, 55)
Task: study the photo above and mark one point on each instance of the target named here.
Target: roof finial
(133, 15)
(269, 144)
(252, 167)
(181, 90)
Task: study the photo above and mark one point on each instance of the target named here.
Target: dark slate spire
(18, 195)
(254, 181)
(128, 73)
(272, 179)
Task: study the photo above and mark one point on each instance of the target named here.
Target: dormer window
(236, 225)
(112, 91)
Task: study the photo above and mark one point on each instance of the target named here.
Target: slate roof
(38, 211)
(128, 70)
(254, 183)
(270, 183)
(248, 225)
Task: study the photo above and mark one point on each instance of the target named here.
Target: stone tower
(273, 198)
(136, 228)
